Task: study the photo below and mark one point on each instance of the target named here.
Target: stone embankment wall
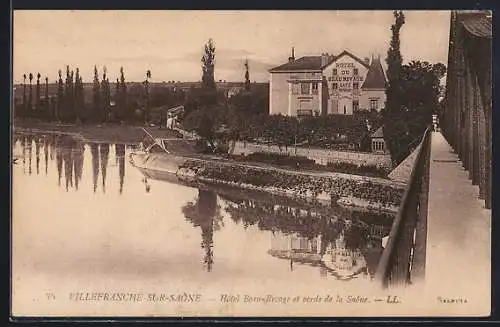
(320, 156)
(372, 193)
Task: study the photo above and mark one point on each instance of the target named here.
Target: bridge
(441, 237)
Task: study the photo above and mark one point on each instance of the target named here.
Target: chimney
(367, 60)
(292, 57)
(324, 59)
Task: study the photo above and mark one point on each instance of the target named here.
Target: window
(295, 88)
(334, 72)
(378, 145)
(304, 88)
(374, 104)
(355, 85)
(335, 86)
(314, 88)
(355, 105)
(355, 72)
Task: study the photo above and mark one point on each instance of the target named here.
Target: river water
(85, 219)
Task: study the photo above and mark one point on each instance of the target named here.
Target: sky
(171, 43)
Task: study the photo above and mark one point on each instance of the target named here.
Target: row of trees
(331, 131)
(67, 99)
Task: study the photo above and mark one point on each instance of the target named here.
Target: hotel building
(326, 84)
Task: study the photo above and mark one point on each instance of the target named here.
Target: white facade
(326, 85)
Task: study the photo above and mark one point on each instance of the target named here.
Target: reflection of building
(327, 84)
(285, 245)
(343, 261)
(335, 257)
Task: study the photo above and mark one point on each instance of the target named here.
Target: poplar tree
(79, 96)
(30, 102)
(247, 77)
(146, 84)
(60, 97)
(24, 95)
(117, 112)
(96, 96)
(69, 102)
(37, 103)
(394, 128)
(208, 63)
(122, 97)
(47, 105)
(105, 95)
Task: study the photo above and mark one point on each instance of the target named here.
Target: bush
(349, 168)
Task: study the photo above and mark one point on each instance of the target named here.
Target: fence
(403, 259)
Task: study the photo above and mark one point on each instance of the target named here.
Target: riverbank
(363, 192)
(95, 133)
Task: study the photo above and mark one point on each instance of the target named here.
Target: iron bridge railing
(403, 259)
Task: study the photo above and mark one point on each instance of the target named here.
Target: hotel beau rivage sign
(349, 74)
(327, 84)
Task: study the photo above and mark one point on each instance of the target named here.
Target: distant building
(327, 84)
(378, 143)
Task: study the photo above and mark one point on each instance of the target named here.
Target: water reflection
(94, 150)
(205, 213)
(337, 240)
(331, 240)
(46, 154)
(104, 157)
(37, 153)
(120, 158)
(29, 144)
(69, 156)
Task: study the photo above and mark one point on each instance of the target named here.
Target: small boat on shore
(155, 156)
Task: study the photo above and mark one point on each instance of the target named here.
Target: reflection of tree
(59, 161)
(69, 157)
(330, 237)
(78, 151)
(68, 167)
(120, 157)
(94, 151)
(305, 221)
(30, 151)
(104, 154)
(38, 140)
(24, 143)
(52, 141)
(46, 153)
(205, 213)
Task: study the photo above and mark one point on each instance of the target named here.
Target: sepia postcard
(251, 163)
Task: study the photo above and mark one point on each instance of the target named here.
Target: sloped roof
(375, 78)
(378, 133)
(347, 53)
(304, 63)
(314, 62)
(477, 23)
